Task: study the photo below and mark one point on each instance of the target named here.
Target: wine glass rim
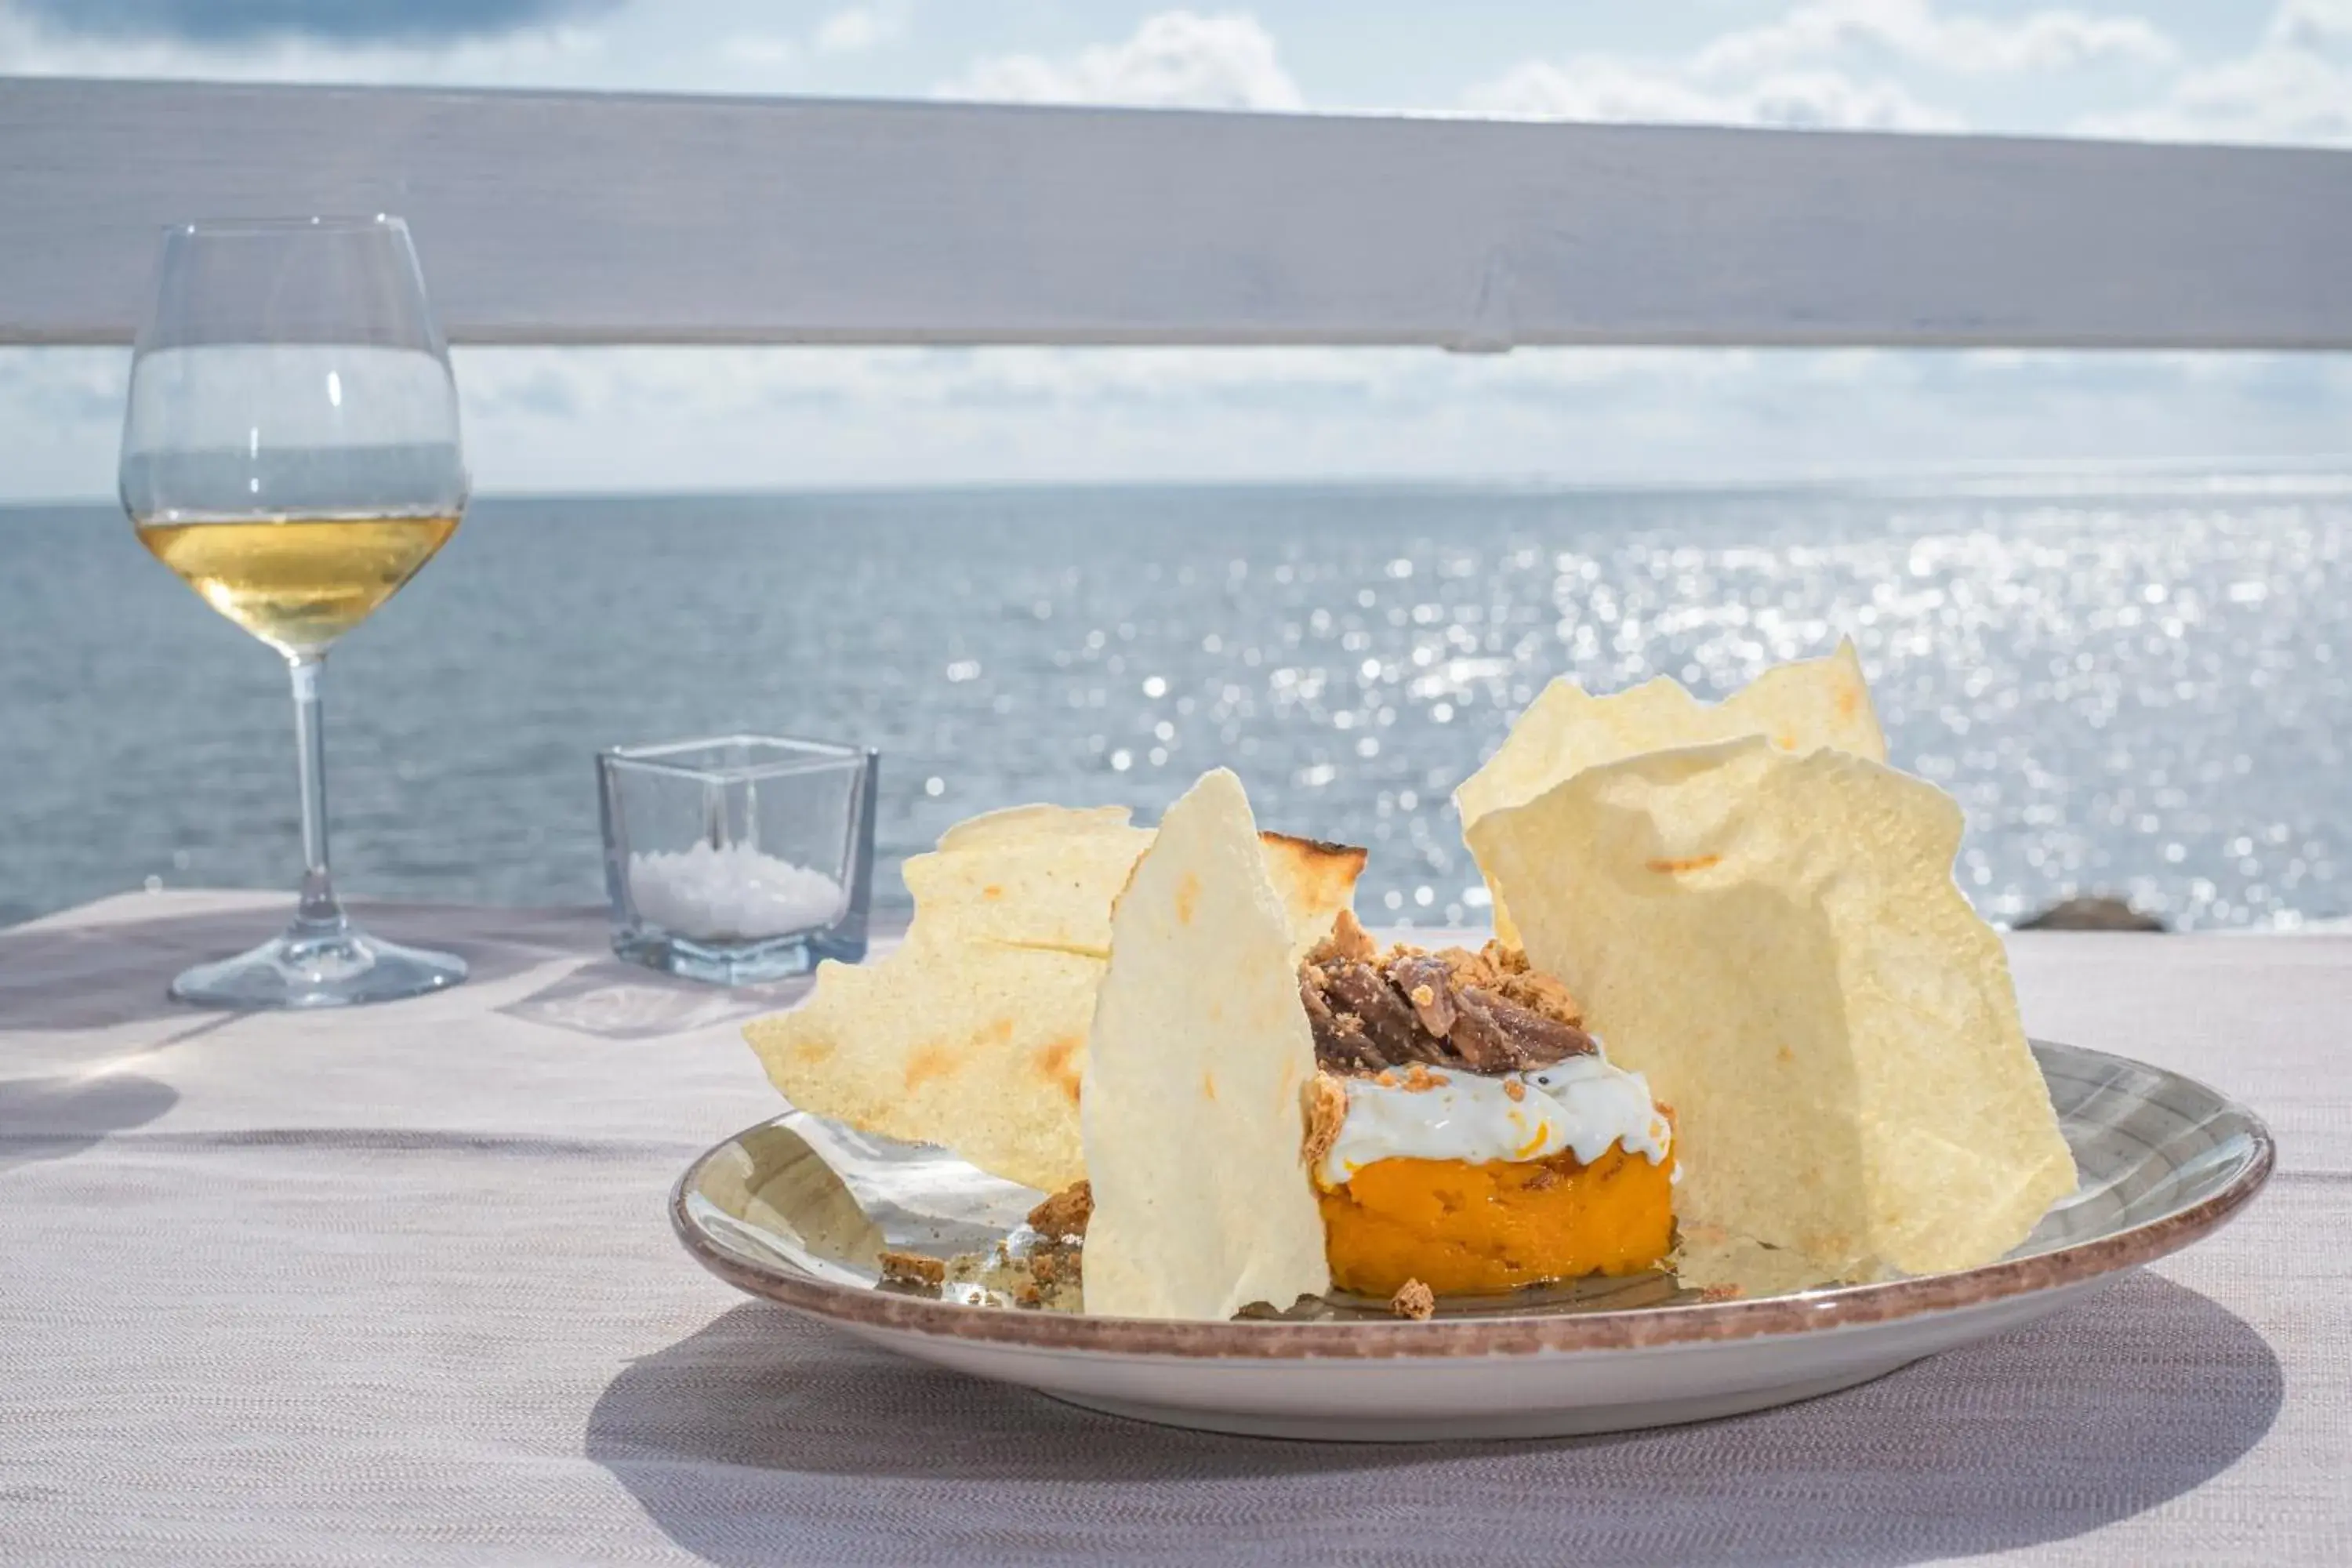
(324, 223)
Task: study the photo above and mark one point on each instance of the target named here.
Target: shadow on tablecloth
(102, 976)
(618, 1001)
(55, 1118)
(768, 1439)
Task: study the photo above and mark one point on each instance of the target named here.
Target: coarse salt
(731, 893)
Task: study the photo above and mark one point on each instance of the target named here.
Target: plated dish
(1738, 1042)
(800, 1211)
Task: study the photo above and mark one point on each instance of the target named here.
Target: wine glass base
(340, 968)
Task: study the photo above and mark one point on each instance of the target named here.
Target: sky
(660, 419)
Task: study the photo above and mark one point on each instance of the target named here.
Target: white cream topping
(1582, 1104)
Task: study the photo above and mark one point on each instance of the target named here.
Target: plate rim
(1622, 1328)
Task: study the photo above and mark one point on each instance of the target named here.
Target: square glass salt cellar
(739, 858)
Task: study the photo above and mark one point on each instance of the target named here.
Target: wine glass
(292, 451)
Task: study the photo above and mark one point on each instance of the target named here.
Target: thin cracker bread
(1194, 1125)
(1797, 706)
(1776, 941)
(973, 1033)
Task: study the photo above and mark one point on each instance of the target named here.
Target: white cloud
(1914, 31)
(1595, 88)
(819, 417)
(61, 422)
(1803, 71)
(1814, 68)
(1176, 60)
(854, 30)
(2312, 25)
(858, 28)
(2294, 86)
(760, 50)
(656, 419)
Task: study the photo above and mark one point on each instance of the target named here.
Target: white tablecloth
(397, 1286)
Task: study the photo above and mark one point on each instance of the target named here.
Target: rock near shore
(2091, 912)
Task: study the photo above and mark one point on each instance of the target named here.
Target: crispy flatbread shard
(1798, 706)
(1192, 1115)
(975, 1045)
(1035, 876)
(1776, 941)
(1012, 823)
(1314, 881)
(973, 1033)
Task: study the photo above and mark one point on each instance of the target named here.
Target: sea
(2132, 683)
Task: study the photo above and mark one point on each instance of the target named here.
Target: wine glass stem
(318, 913)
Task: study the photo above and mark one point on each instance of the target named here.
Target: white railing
(600, 218)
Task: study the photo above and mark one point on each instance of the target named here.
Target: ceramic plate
(798, 1209)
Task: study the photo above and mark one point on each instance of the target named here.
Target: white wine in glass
(298, 582)
(292, 451)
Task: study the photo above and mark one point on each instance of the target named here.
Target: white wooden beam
(597, 218)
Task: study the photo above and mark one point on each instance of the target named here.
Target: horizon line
(2282, 465)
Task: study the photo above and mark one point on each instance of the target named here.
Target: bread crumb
(1416, 1300)
(1055, 1265)
(912, 1268)
(1539, 993)
(1348, 940)
(1065, 1214)
(1513, 1090)
(1045, 1280)
(1477, 969)
(1325, 1101)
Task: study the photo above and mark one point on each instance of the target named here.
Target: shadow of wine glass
(619, 1001)
(102, 976)
(57, 1118)
(764, 1439)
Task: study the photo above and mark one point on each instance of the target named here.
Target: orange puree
(1465, 1230)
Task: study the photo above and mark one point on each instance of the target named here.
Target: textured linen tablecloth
(397, 1286)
